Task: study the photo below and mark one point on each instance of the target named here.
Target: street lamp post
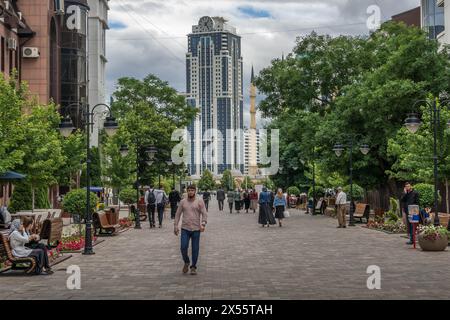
(66, 127)
(412, 123)
(338, 149)
(150, 152)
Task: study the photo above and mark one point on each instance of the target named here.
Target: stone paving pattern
(308, 258)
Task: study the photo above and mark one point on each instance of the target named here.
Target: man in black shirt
(174, 199)
(206, 198)
(409, 197)
(220, 198)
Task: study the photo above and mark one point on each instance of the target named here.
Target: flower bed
(433, 233)
(387, 226)
(125, 223)
(73, 243)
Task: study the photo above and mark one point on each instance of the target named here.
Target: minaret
(252, 102)
(253, 164)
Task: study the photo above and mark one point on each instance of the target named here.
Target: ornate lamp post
(339, 149)
(66, 127)
(413, 123)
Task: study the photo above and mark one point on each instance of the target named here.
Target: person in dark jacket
(174, 199)
(409, 197)
(206, 198)
(220, 198)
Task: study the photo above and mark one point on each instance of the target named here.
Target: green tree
(41, 146)
(95, 169)
(350, 85)
(247, 183)
(74, 151)
(149, 111)
(206, 181)
(11, 124)
(227, 181)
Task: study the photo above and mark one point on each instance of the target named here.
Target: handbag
(286, 214)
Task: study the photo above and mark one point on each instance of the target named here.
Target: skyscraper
(214, 85)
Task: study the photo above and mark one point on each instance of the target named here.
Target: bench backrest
(56, 230)
(5, 249)
(361, 209)
(103, 219)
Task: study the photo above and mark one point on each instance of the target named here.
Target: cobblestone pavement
(308, 258)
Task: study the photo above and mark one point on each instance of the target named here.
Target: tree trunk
(446, 194)
(32, 198)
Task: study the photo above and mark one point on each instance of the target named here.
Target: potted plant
(75, 203)
(433, 238)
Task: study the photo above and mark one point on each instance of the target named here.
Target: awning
(95, 189)
(11, 175)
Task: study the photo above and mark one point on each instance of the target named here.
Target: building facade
(251, 152)
(433, 18)
(214, 85)
(410, 18)
(41, 55)
(98, 24)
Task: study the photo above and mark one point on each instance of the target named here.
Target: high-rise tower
(214, 86)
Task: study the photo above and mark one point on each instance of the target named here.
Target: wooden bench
(101, 223)
(52, 231)
(362, 210)
(5, 251)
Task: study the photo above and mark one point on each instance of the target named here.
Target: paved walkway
(309, 258)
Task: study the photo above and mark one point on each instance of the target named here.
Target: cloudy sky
(149, 36)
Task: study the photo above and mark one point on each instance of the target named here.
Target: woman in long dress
(265, 210)
(237, 201)
(280, 206)
(246, 200)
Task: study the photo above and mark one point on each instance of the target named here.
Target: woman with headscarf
(265, 210)
(280, 205)
(237, 200)
(19, 236)
(246, 200)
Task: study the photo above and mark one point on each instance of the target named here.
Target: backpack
(151, 199)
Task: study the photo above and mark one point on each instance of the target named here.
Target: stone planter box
(439, 244)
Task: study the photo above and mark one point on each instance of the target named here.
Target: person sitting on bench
(19, 236)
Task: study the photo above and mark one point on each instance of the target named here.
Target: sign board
(259, 188)
(413, 213)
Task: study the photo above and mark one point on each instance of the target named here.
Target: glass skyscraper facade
(214, 85)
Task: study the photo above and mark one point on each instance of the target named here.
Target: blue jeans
(185, 237)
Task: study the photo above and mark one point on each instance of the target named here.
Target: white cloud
(155, 40)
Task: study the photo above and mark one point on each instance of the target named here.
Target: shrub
(293, 190)
(75, 202)
(426, 194)
(320, 192)
(128, 196)
(21, 198)
(358, 192)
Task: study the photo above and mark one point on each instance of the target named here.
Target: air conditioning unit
(59, 7)
(12, 44)
(30, 52)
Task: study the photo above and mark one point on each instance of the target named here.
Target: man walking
(341, 203)
(409, 197)
(230, 199)
(161, 199)
(220, 198)
(206, 198)
(193, 223)
(150, 202)
(174, 199)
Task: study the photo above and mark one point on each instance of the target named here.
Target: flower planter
(439, 244)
